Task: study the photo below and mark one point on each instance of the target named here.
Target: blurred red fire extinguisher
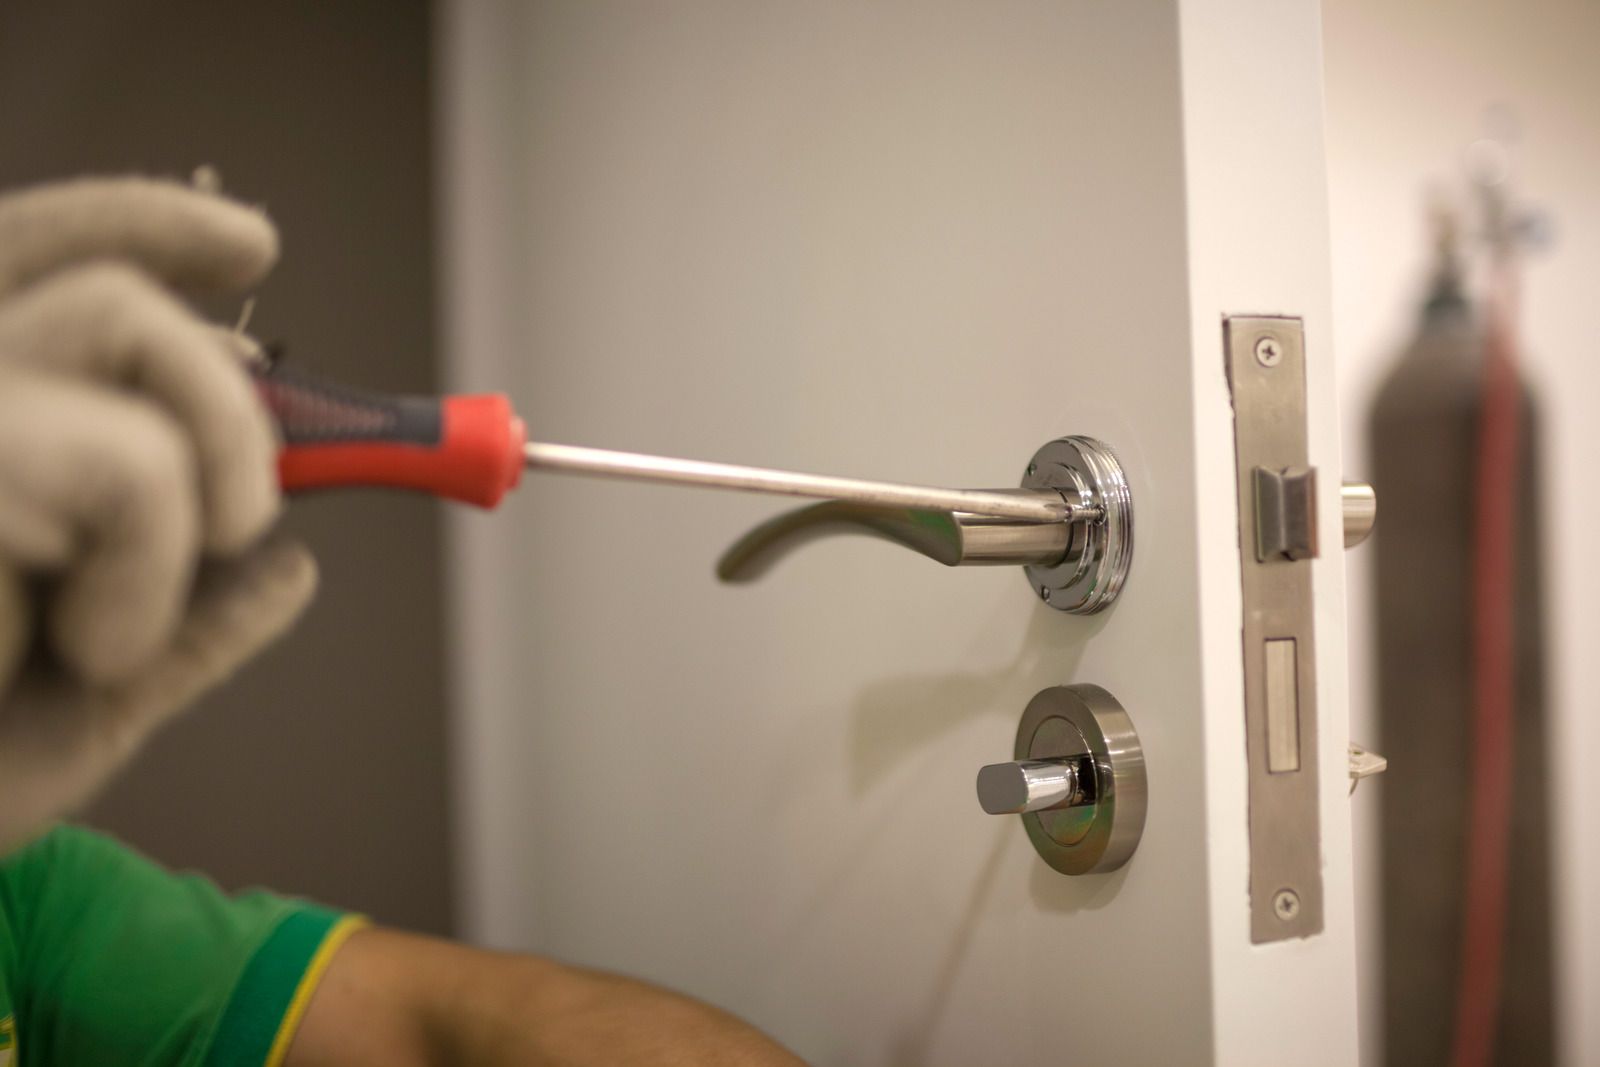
(1465, 830)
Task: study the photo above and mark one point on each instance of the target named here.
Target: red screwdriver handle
(466, 448)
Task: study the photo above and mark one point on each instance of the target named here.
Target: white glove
(136, 480)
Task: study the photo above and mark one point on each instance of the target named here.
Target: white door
(911, 241)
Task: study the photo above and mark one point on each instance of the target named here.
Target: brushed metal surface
(1269, 402)
(1283, 707)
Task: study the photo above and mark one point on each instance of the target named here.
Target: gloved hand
(137, 479)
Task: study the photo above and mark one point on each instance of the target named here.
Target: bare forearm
(406, 1001)
(547, 1013)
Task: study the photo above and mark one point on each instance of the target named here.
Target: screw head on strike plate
(1269, 353)
(1286, 904)
(1044, 593)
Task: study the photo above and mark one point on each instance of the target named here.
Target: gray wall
(321, 769)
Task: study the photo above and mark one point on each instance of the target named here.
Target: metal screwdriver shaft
(473, 448)
(1023, 504)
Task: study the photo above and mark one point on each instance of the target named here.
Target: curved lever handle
(953, 538)
(1070, 525)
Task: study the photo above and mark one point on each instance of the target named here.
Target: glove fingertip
(239, 609)
(252, 242)
(242, 606)
(214, 241)
(196, 240)
(240, 513)
(282, 577)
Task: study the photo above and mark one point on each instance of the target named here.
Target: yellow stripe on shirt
(308, 987)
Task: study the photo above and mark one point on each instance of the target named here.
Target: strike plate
(1277, 510)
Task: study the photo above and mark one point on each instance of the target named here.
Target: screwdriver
(474, 448)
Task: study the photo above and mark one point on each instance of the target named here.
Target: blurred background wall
(1408, 85)
(321, 769)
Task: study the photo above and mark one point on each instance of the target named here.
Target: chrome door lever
(954, 538)
(1076, 563)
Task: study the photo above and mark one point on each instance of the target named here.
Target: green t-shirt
(108, 960)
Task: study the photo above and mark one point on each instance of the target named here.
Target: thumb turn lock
(1078, 780)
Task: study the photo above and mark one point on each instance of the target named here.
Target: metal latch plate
(1276, 485)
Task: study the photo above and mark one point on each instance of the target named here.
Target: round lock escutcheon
(1091, 574)
(1078, 780)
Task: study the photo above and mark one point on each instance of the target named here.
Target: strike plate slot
(1277, 511)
